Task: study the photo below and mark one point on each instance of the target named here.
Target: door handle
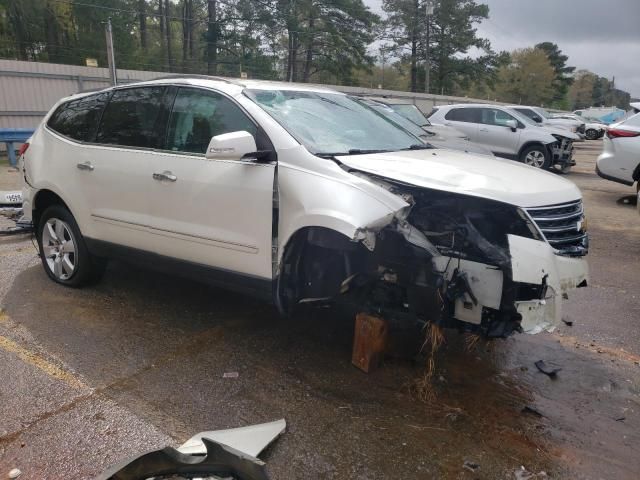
(484, 130)
(166, 175)
(85, 166)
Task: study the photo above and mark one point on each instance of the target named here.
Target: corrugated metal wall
(29, 89)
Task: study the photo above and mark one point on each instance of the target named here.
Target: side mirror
(537, 119)
(512, 124)
(231, 146)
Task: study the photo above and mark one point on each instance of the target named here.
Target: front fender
(310, 200)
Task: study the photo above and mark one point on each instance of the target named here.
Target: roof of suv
(229, 85)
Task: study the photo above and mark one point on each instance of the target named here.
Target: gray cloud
(598, 35)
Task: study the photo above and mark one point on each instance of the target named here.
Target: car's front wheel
(536, 156)
(592, 134)
(63, 252)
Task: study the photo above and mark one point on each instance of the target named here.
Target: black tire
(63, 252)
(592, 134)
(536, 156)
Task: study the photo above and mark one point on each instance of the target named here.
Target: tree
(527, 79)
(581, 91)
(563, 73)
(453, 35)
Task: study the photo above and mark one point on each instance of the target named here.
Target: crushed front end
(473, 264)
(562, 151)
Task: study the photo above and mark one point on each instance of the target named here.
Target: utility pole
(427, 65)
(110, 54)
(382, 57)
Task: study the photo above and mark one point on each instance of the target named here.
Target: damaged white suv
(300, 194)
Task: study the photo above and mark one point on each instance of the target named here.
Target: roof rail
(204, 77)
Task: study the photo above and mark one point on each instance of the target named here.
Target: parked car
(594, 128)
(428, 133)
(511, 135)
(415, 115)
(544, 118)
(300, 194)
(620, 157)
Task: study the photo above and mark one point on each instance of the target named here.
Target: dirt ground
(91, 376)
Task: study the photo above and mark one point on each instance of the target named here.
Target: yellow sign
(91, 62)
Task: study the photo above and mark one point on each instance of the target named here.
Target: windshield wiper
(363, 151)
(419, 146)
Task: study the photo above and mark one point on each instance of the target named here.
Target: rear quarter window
(78, 119)
(468, 115)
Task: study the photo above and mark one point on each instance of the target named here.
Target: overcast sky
(600, 35)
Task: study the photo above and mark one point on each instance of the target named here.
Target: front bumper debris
(220, 454)
(562, 152)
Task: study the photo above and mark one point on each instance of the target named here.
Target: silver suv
(511, 135)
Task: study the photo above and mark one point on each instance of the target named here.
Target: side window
(131, 118)
(198, 115)
(525, 111)
(78, 119)
(492, 116)
(468, 115)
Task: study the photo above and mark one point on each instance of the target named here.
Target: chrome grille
(563, 227)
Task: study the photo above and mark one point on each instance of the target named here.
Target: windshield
(544, 113)
(397, 118)
(412, 113)
(523, 118)
(333, 124)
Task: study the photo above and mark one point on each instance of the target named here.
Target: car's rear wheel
(536, 156)
(63, 252)
(591, 134)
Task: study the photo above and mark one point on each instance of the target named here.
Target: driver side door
(494, 132)
(218, 212)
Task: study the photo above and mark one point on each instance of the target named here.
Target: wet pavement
(137, 362)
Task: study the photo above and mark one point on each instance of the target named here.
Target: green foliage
(527, 79)
(591, 90)
(563, 73)
(452, 35)
(262, 38)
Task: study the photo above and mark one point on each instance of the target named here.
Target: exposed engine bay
(454, 260)
(562, 151)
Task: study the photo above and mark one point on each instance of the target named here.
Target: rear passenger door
(114, 172)
(211, 212)
(464, 119)
(495, 134)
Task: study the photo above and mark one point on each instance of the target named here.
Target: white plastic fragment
(15, 473)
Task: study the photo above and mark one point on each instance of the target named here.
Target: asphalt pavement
(137, 362)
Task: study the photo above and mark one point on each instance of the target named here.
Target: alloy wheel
(535, 158)
(59, 248)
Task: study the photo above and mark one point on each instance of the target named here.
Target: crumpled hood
(560, 129)
(477, 175)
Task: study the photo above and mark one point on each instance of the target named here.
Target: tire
(63, 252)
(536, 156)
(592, 134)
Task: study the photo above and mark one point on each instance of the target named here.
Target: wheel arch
(532, 143)
(43, 199)
(305, 244)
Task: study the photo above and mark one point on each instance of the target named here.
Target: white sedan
(620, 157)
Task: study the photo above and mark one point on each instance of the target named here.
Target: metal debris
(532, 411)
(471, 466)
(547, 370)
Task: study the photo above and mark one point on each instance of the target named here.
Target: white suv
(299, 194)
(509, 134)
